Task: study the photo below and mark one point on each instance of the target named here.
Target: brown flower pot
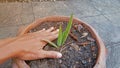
(102, 52)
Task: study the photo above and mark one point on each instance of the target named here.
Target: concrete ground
(103, 15)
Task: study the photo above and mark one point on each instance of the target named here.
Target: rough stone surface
(103, 15)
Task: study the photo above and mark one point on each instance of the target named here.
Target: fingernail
(52, 27)
(57, 29)
(43, 29)
(59, 55)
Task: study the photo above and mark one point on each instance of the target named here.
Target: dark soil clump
(79, 51)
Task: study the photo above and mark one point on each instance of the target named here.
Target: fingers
(40, 54)
(51, 38)
(55, 32)
(42, 30)
(14, 65)
(19, 64)
(49, 34)
(49, 54)
(50, 29)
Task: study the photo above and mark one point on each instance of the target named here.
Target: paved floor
(2, 1)
(103, 15)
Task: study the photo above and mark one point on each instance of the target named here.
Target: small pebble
(92, 48)
(79, 49)
(60, 61)
(79, 27)
(76, 62)
(70, 48)
(94, 55)
(84, 62)
(89, 59)
(76, 47)
(63, 66)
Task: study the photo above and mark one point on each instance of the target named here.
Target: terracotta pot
(102, 52)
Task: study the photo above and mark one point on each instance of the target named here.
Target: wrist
(15, 50)
(7, 54)
(9, 50)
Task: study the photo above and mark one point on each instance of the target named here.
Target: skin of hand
(30, 46)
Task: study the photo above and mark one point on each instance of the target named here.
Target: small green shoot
(62, 36)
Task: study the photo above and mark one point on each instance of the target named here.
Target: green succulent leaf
(67, 30)
(62, 36)
(59, 40)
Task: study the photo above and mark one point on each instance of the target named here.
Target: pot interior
(81, 53)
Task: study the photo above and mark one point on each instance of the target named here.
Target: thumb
(17, 63)
(49, 54)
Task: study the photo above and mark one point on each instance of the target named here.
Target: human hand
(32, 45)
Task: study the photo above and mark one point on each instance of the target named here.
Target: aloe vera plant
(62, 36)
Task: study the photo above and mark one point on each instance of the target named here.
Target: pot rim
(101, 59)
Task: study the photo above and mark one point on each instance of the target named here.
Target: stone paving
(103, 15)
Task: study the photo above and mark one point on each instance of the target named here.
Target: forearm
(7, 50)
(6, 41)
